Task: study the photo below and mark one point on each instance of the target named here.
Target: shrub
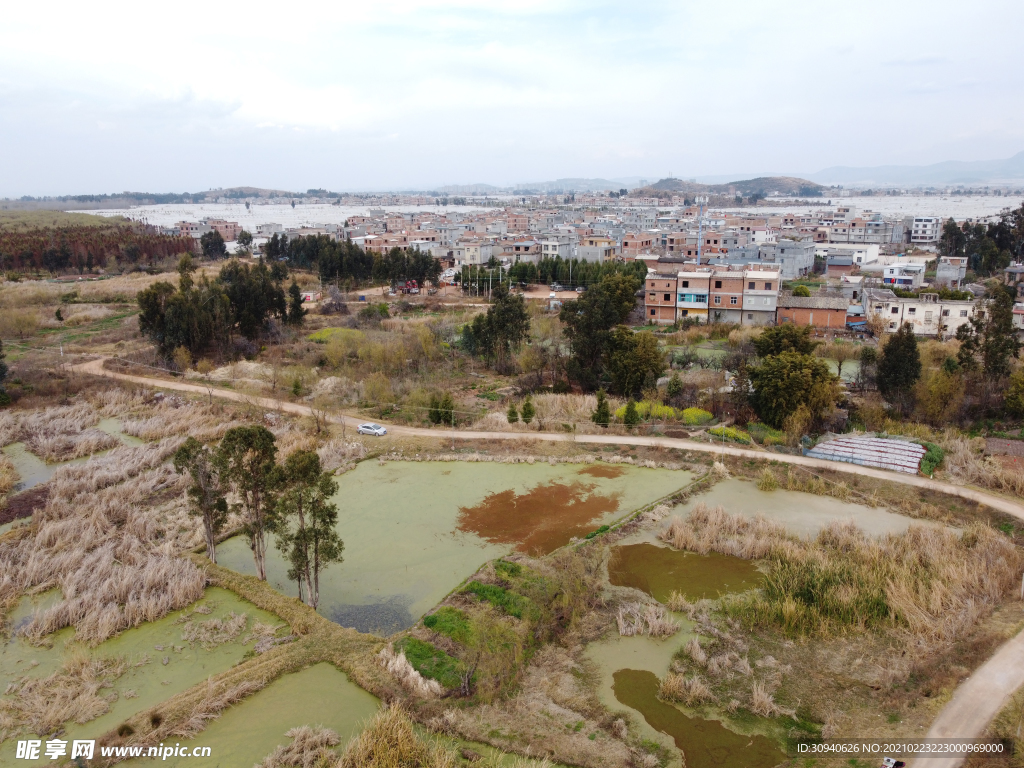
(449, 621)
(696, 416)
(630, 417)
(505, 568)
(731, 433)
(599, 531)
(765, 435)
(512, 414)
(767, 481)
(432, 662)
(932, 458)
(513, 604)
(528, 411)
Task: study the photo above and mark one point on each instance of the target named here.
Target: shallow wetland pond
(413, 531)
(161, 662)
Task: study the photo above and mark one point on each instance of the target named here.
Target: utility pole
(701, 201)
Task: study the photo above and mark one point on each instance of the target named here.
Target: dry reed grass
(389, 741)
(210, 708)
(99, 540)
(180, 417)
(931, 583)
(965, 464)
(400, 668)
(311, 747)
(58, 433)
(8, 474)
(638, 619)
(762, 701)
(337, 453)
(691, 691)
(74, 692)
(209, 634)
(80, 315)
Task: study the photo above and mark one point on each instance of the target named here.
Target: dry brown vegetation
(930, 583)
(41, 705)
(56, 434)
(101, 542)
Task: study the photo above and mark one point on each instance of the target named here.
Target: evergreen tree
(245, 459)
(1015, 395)
(990, 342)
(899, 368)
(631, 418)
(785, 382)
(512, 414)
(296, 312)
(206, 495)
(602, 415)
(588, 322)
(446, 409)
(528, 410)
(213, 245)
(305, 519)
(675, 386)
(785, 338)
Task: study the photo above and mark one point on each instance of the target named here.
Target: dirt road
(975, 703)
(1009, 506)
(978, 700)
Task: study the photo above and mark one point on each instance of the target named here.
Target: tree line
(81, 249)
(341, 261)
(602, 350)
(289, 501)
(989, 248)
(206, 315)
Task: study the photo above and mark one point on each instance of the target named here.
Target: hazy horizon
(417, 94)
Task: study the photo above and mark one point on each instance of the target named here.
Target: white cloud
(409, 93)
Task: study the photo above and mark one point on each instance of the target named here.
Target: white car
(371, 429)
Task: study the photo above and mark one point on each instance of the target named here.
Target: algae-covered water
(150, 680)
(704, 743)
(801, 513)
(659, 571)
(247, 732)
(629, 669)
(413, 531)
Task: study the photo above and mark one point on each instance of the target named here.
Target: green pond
(704, 743)
(629, 669)
(801, 513)
(413, 531)
(249, 731)
(147, 684)
(113, 427)
(660, 570)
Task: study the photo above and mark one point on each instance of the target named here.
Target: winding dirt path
(1003, 504)
(976, 702)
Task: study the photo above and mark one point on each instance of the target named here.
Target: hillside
(762, 187)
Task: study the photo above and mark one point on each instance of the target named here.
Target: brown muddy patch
(539, 521)
(660, 571)
(599, 470)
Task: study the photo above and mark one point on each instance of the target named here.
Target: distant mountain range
(953, 172)
(762, 186)
(546, 187)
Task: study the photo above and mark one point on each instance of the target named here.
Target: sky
(414, 94)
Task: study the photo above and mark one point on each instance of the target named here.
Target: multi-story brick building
(693, 293)
(660, 298)
(760, 294)
(818, 311)
(726, 297)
